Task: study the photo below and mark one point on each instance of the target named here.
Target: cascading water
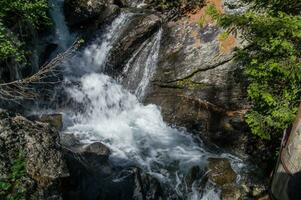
(136, 134)
(63, 36)
(141, 67)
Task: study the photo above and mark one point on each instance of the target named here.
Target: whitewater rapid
(137, 135)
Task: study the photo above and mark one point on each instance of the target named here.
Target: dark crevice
(209, 67)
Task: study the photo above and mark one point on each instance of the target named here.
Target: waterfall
(150, 66)
(62, 34)
(94, 57)
(108, 112)
(141, 67)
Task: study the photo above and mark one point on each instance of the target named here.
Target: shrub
(272, 63)
(18, 19)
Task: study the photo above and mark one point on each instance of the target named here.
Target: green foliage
(17, 18)
(272, 63)
(213, 12)
(223, 36)
(201, 22)
(287, 6)
(12, 188)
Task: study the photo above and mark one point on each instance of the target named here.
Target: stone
(96, 178)
(55, 120)
(257, 190)
(193, 174)
(97, 148)
(141, 27)
(220, 171)
(198, 85)
(230, 192)
(69, 140)
(38, 144)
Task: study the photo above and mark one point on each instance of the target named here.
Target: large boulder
(31, 161)
(197, 83)
(55, 120)
(93, 176)
(221, 172)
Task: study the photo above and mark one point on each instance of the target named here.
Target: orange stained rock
(227, 45)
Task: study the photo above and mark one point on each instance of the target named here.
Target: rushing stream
(136, 133)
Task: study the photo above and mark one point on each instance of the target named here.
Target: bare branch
(24, 89)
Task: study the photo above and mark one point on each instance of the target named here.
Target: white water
(150, 66)
(94, 57)
(62, 34)
(136, 134)
(141, 67)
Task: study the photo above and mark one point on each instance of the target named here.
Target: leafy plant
(18, 19)
(12, 188)
(272, 63)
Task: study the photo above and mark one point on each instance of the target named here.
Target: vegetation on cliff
(12, 188)
(272, 62)
(19, 20)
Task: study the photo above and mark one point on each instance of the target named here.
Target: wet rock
(93, 178)
(88, 13)
(146, 187)
(134, 3)
(220, 171)
(96, 149)
(34, 144)
(257, 190)
(197, 83)
(69, 140)
(230, 192)
(141, 27)
(55, 120)
(89, 168)
(193, 174)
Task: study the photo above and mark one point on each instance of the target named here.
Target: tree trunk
(289, 162)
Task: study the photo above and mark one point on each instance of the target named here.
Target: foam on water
(136, 133)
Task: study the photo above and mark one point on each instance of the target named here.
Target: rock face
(141, 27)
(55, 120)
(221, 173)
(197, 84)
(41, 156)
(81, 14)
(94, 177)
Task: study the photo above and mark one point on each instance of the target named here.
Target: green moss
(202, 22)
(223, 36)
(189, 84)
(213, 12)
(12, 188)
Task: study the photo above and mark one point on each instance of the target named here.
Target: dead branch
(24, 89)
